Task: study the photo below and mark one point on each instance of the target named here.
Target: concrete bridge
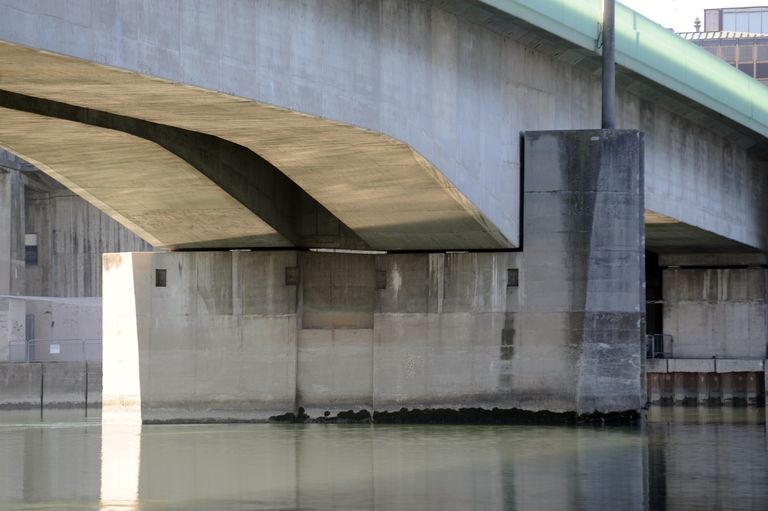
(391, 127)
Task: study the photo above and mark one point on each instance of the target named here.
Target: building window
(747, 68)
(728, 53)
(729, 22)
(513, 277)
(30, 249)
(762, 70)
(749, 19)
(160, 278)
(745, 54)
(742, 22)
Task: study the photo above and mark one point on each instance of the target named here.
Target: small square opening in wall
(160, 278)
(381, 279)
(291, 276)
(30, 249)
(513, 277)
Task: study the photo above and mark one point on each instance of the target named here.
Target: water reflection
(679, 460)
(120, 459)
(708, 458)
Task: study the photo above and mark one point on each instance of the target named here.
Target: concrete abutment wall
(247, 335)
(716, 312)
(47, 385)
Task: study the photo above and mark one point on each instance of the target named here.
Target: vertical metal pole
(42, 388)
(609, 65)
(86, 388)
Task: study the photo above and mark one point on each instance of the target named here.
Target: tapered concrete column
(578, 330)
(126, 304)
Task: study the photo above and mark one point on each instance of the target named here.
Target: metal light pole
(609, 65)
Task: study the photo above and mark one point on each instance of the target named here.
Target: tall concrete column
(11, 260)
(11, 232)
(577, 330)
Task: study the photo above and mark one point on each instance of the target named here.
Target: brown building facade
(737, 35)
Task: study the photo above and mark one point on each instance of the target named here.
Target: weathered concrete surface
(739, 384)
(72, 324)
(64, 384)
(233, 335)
(21, 384)
(455, 82)
(716, 312)
(247, 335)
(11, 232)
(439, 332)
(250, 179)
(704, 365)
(12, 326)
(391, 196)
(93, 388)
(72, 234)
(576, 333)
(219, 341)
(335, 370)
(714, 260)
(138, 183)
(57, 384)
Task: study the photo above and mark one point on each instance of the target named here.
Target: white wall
(716, 312)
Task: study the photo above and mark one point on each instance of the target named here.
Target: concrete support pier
(11, 230)
(248, 335)
(579, 321)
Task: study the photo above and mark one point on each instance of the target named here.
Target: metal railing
(659, 346)
(56, 350)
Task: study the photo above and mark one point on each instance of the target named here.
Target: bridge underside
(188, 168)
(155, 194)
(665, 235)
(281, 165)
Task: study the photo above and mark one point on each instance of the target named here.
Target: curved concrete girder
(379, 187)
(240, 172)
(138, 183)
(666, 235)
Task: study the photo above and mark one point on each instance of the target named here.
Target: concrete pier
(11, 232)
(580, 314)
(247, 335)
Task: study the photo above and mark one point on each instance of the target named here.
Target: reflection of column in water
(120, 457)
(438, 467)
(47, 463)
(657, 465)
(545, 461)
(334, 467)
(611, 468)
(714, 466)
(204, 467)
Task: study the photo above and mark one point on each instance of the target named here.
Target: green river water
(683, 458)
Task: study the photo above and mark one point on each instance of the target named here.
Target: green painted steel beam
(647, 48)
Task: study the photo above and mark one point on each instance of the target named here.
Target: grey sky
(679, 14)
